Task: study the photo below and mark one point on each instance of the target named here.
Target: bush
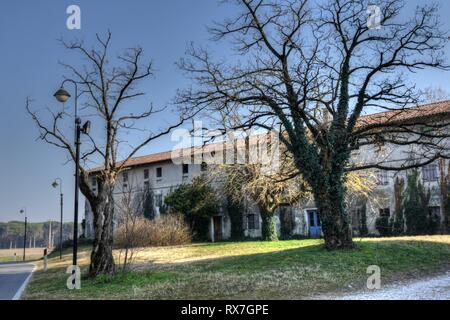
(417, 198)
(81, 242)
(166, 230)
(197, 202)
(433, 225)
(383, 226)
(363, 230)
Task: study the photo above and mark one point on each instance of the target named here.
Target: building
(162, 173)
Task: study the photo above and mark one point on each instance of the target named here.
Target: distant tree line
(41, 234)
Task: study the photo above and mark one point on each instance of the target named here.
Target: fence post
(45, 259)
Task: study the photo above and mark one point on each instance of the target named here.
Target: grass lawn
(248, 270)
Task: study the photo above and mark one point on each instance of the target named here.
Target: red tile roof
(433, 110)
(437, 109)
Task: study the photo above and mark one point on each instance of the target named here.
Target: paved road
(433, 288)
(12, 278)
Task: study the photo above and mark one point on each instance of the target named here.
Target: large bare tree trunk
(333, 214)
(102, 259)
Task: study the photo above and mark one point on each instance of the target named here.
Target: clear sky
(29, 67)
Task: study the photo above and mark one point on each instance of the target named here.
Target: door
(315, 230)
(217, 228)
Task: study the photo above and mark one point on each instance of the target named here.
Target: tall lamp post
(62, 96)
(55, 184)
(24, 211)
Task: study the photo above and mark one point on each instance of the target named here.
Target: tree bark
(268, 226)
(102, 205)
(334, 217)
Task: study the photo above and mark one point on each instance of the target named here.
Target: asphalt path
(13, 279)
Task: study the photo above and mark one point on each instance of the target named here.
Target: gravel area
(433, 288)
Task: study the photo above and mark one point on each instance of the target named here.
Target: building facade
(160, 173)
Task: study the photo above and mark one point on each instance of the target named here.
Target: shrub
(383, 226)
(197, 202)
(81, 242)
(148, 204)
(363, 230)
(416, 201)
(165, 230)
(433, 223)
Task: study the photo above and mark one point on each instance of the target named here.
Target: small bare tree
(129, 235)
(108, 86)
(270, 189)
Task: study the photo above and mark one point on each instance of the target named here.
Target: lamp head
(86, 127)
(62, 95)
(55, 184)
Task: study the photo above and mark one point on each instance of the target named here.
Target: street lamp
(24, 211)
(55, 184)
(62, 96)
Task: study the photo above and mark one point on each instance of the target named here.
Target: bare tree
(435, 94)
(316, 69)
(107, 86)
(129, 235)
(270, 189)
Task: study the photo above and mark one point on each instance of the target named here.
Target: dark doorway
(217, 228)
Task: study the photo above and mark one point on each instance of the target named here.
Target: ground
(13, 278)
(429, 288)
(293, 269)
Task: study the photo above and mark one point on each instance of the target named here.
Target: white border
(19, 292)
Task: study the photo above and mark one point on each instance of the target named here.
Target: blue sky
(29, 67)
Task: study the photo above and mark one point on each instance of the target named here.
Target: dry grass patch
(7, 255)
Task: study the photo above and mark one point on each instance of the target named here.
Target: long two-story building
(162, 174)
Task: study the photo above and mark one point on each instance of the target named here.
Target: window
(158, 200)
(146, 174)
(382, 178)
(185, 168)
(203, 167)
(385, 212)
(125, 179)
(430, 172)
(159, 172)
(252, 222)
(146, 184)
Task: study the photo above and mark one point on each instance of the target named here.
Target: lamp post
(62, 96)
(24, 211)
(55, 184)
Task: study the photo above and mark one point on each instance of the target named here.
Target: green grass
(251, 270)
